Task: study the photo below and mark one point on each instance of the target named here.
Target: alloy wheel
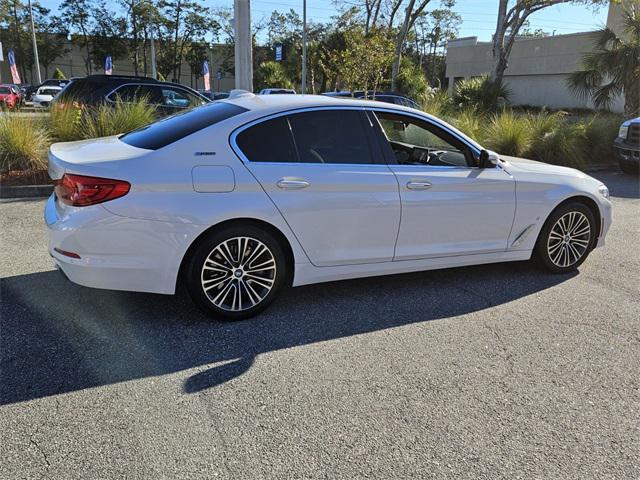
(238, 274)
(569, 239)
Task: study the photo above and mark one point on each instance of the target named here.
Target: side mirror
(487, 159)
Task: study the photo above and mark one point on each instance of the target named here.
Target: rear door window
(180, 125)
(268, 141)
(331, 136)
(136, 92)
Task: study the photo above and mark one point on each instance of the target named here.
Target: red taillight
(81, 191)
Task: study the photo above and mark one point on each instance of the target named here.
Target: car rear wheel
(567, 238)
(236, 272)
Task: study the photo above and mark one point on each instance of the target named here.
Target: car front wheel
(567, 238)
(235, 273)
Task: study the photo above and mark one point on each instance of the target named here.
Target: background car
(241, 197)
(387, 97)
(214, 95)
(43, 96)
(277, 91)
(628, 146)
(10, 97)
(93, 90)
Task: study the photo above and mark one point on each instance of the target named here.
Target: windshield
(5, 90)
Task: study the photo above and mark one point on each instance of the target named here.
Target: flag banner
(1, 54)
(12, 66)
(108, 66)
(205, 76)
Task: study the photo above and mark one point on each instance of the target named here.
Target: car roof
(264, 105)
(277, 103)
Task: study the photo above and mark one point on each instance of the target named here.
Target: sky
(478, 16)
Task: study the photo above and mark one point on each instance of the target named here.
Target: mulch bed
(25, 177)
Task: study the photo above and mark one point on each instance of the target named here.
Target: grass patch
(23, 143)
(106, 120)
(508, 134)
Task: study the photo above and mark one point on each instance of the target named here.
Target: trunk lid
(98, 157)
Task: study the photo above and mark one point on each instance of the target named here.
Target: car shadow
(57, 337)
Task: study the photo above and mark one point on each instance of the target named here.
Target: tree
(185, 21)
(613, 68)
(51, 39)
(77, 14)
(365, 59)
(58, 75)
(432, 32)
(411, 13)
(512, 16)
(195, 57)
(107, 37)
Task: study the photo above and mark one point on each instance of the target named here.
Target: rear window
(48, 91)
(85, 91)
(175, 127)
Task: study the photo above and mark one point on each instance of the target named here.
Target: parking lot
(487, 372)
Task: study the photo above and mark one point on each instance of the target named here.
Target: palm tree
(613, 67)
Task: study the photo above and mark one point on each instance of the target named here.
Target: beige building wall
(72, 65)
(538, 67)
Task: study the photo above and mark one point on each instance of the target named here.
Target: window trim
(475, 151)
(376, 159)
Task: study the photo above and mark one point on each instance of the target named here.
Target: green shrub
(65, 122)
(600, 132)
(562, 143)
(471, 123)
(23, 143)
(121, 117)
(272, 74)
(437, 104)
(508, 133)
(480, 93)
(411, 80)
(69, 122)
(58, 75)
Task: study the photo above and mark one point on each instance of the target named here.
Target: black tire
(209, 250)
(629, 168)
(546, 250)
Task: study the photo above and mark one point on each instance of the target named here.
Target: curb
(26, 191)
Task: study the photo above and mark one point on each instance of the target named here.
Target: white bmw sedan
(239, 198)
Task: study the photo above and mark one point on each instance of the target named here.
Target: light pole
(154, 72)
(35, 45)
(304, 46)
(243, 45)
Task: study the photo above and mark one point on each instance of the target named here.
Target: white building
(538, 66)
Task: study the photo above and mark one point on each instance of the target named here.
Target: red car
(9, 96)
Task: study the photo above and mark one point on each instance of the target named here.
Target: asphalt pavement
(488, 372)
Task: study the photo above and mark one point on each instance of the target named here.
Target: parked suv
(628, 146)
(98, 89)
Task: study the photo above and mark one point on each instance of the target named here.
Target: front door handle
(292, 184)
(418, 185)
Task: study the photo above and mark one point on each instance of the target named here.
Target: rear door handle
(418, 185)
(292, 184)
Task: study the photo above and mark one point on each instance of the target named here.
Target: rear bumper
(116, 253)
